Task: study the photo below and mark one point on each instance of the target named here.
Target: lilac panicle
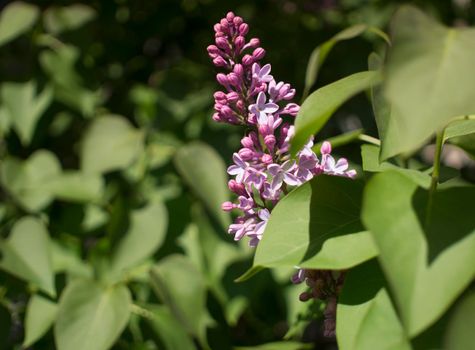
(263, 170)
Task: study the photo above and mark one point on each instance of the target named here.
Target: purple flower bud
(216, 117)
(237, 21)
(224, 23)
(305, 296)
(254, 42)
(269, 140)
(222, 43)
(219, 35)
(239, 43)
(217, 27)
(222, 79)
(246, 153)
(234, 79)
(226, 111)
(247, 60)
(243, 29)
(241, 105)
(219, 96)
(236, 187)
(292, 109)
(227, 206)
(264, 129)
(258, 53)
(219, 62)
(266, 159)
(246, 141)
(232, 96)
(230, 16)
(326, 148)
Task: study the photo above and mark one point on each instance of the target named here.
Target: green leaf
(146, 234)
(77, 187)
(459, 128)
(67, 259)
(317, 226)
(282, 345)
(40, 316)
(427, 65)
(60, 19)
(320, 53)
(28, 181)
(110, 143)
(170, 331)
(421, 241)
(459, 334)
(91, 316)
(370, 157)
(205, 172)
(15, 19)
(26, 254)
(321, 104)
(366, 317)
(180, 285)
(24, 107)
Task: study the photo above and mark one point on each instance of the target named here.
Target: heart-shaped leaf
(15, 19)
(91, 316)
(427, 65)
(317, 226)
(422, 240)
(40, 316)
(26, 254)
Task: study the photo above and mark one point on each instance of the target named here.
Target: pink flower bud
(230, 16)
(227, 206)
(264, 130)
(247, 60)
(222, 79)
(222, 43)
(216, 117)
(224, 23)
(239, 43)
(219, 62)
(246, 153)
(237, 21)
(254, 42)
(213, 49)
(234, 79)
(243, 29)
(238, 70)
(236, 187)
(266, 159)
(240, 105)
(217, 27)
(232, 96)
(219, 96)
(226, 111)
(326, 148)
(269, 140)
(258, 53)
(246, 141)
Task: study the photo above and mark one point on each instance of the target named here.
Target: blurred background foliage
(112, 172)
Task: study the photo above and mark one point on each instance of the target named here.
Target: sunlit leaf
(422, 241)
(317, 226)
(15, 19)
(40, 316)
(77, 187)
(110, 143)
(427, 65)
(205, 172)
(321, 104)
(91, 316)
(59, 19)
(26, 254)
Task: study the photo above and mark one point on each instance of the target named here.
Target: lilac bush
(263, 168)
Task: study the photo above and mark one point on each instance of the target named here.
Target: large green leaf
(170, 331)
(320, 53)
(110, 143)
(77, 187)
(427, 65)
(28, 181)
(15, 19)
(40, 316)
(421, 241)
(321, 104)
(366, 317)
(180, 285)
(370, 158)
(147, 231)
(205, 172)
(26, 254)
(24, 107)
(459, 334)
(59, 19)
(91, 316)
(317, 226)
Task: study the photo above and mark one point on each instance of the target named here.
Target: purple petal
(270, 107)
(261, 99)
(265, 70)
(341, 165)
(274, 169)
(291, 180)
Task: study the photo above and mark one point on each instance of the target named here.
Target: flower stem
(369, 139)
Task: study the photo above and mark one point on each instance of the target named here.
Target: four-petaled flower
(262, 73)
(239, 168)
(260, 109)
(283, 173)
(241, 227)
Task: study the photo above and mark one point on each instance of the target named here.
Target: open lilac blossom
(252, 98)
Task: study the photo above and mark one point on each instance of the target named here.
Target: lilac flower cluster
(263, 169)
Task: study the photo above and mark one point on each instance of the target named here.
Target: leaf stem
(142, 312)
(439, 142)
(369, 139)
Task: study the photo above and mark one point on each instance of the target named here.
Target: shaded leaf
(110, 143)
(40, 316)
(321, 104)
(282, 345)
(317, 226)
(26, 254)
(459, 334)
(15, 19)
(91, 316)
(422, 242)
(60, 19)
(428, 62)
(205, 172)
